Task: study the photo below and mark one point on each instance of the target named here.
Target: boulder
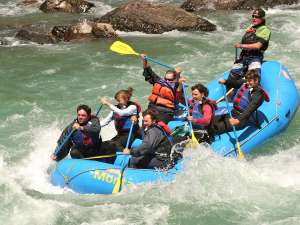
(69, 6)
(146, 17)
(198, 5)
(35, 36)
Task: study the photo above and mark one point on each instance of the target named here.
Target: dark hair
(153, 113)
(252, 75)
(259, 13)
(201, 88)
(126, 94)
(86, 108)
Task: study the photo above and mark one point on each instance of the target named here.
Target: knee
(76, 154)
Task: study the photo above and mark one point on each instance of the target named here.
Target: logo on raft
(109, 176)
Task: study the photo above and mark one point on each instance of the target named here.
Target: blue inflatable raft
(88, 176)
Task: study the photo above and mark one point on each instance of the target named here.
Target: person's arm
(131, 110)
(257, 99)
(207, 115)
(107, 119)
(150, 141)
(93, 126)
(148, 73)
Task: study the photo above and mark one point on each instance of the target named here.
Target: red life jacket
(123, 123)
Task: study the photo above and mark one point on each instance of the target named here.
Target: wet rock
(84, 30)
(37, 37)
(154, 18)
(29, 2)
(198, 5)
(69, 6)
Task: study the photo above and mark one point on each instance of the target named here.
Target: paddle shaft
(233, 127)
(187, 106)
(129, 135)
(159, 63)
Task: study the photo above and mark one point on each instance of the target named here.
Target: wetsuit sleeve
(150, 76)
(64, 151)
(150, 141)
(93, 126)
(207, 115)
(130, 110)
(107, 120)
(257, 99)
(65, 132)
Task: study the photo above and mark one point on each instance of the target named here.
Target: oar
(125, 49)
(124, 163)
(227, 93)
(239, 152)
(66, 139)
(194, 139)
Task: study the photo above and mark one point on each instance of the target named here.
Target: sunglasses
(256, 17)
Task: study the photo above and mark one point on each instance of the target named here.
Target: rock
(29, 2)
(69, 6)
(33, 36)
(197, 5)
(88, 30)
(154, 18)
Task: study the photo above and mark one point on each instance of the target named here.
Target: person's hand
(53, 157)
(181, 80)
(234, 121)
(238, 45)
(190, 118)
(126, 151)
(144, 56)
(104, 101)
(178, 70)
(76, 126)
(133, 119)
(222, 81)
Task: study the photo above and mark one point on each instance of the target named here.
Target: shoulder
(263, 32)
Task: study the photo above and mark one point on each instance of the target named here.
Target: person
(155, 150)
(123, 114)
(201, 113)
(85, 141)
(166, 93)
(245, 103)
(253, 44)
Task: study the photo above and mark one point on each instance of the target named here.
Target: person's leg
(140, 162)
(76, 154)
(221, 124)
(157, 164)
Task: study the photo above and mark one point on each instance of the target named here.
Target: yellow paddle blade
(118, 184)
(240, 154)
(122, 48)
(193, 142)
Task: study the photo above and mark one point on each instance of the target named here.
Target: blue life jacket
(241, 99)
(123, 123)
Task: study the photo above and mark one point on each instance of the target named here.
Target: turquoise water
(42, 85)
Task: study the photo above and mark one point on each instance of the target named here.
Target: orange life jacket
(163, 96)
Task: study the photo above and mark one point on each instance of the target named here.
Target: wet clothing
(155, 150)
(245, 104)
(203, 112)
(83, 143)
(250, 58)
(164, 96)
(122, 119)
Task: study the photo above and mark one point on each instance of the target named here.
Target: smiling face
(197, 95)
(122, 100)
(256, 20)
(147, 121)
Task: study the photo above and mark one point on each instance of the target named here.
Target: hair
(153, 113)
(201, 88)
(86, 108)
(125, 94)
(252, 75)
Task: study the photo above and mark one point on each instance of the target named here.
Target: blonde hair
(125, 94)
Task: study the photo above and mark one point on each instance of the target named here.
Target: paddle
(66, 139)
(123, 163)
(194, 139)
(125, 49)
(239, 152)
